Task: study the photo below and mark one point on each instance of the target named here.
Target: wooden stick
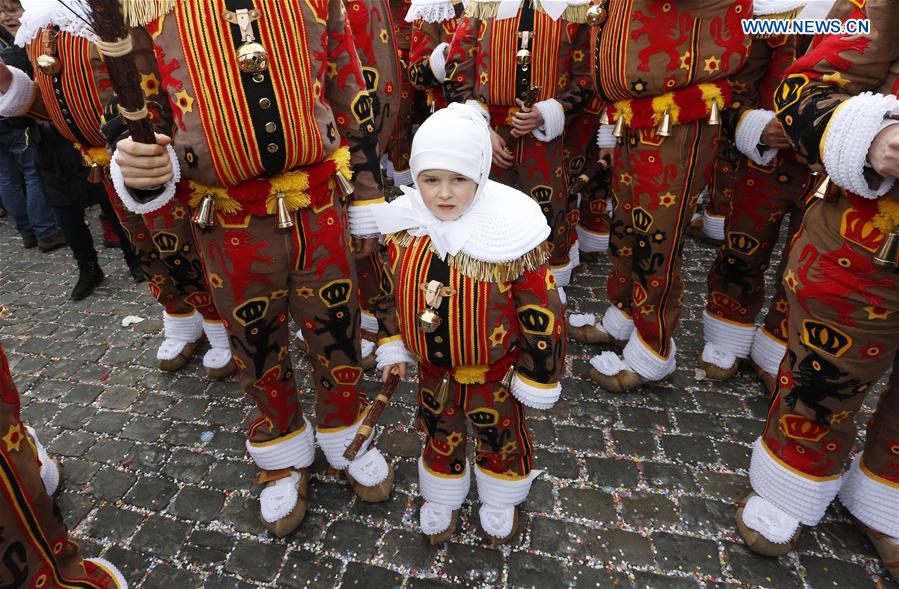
(109, 25)
(374, 413)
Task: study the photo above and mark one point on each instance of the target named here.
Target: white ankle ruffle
(178, 332)
(219, 354)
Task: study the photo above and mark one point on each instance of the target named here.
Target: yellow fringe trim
(488, 10)
(663, 102)
(788, 15)
(480, 270)
(471, 374)
(293, 185)
(94, 155)
(887, 217)
(138, 13)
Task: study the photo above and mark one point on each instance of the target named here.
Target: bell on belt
(252, 58)
(344, 185)
(48, 65)
(664, 129)
(523, 57)
(618, 131)
(604, 118)
(429, 320)
(596, 15)
(285, 221)
(441, 394)
(95, 176)
(714, 114)
(206, 213)
(888, 253)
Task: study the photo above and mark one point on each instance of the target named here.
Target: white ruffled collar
(766, 7)
(502, 226)
(40, 14)
(552, 8)
(432, 11)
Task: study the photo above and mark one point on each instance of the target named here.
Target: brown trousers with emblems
(540, 170)
(498, 418)
(34, 547)
(655, 185)
(258, 275)
(762, 197)
(843, 328)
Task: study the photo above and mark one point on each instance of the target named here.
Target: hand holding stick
(374, 413)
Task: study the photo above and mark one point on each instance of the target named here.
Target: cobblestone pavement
(638, 489)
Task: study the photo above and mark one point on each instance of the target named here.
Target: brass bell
(344, 185)
(618, 131)
(596, 15)
(441, 394)
(95, 176)
(205, 215)
(429, 320)
(252, 58)
(888, 253)
(664, 129)
(48, 65)
(714, 114)
(604, 118)
(523, 59)
(285, 221)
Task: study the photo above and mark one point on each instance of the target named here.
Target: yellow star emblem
(667, 200)
(149, 83)
(625, 178)
(791, 281)
(279, 294)
(577, 55)
(498, 335)
(840, 416)
(305, 292)
(686, 60)
(835, 78)
(184, 101)
(712, 64)
(332, 70)
(323, 361)
(877, 312)
(384, 36)
(13, 438)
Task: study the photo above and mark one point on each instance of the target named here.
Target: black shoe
(29, 241)
(2, 212)
(137, 273)
(55, 241)
(90, 275)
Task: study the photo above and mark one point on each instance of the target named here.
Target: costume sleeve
(543, 342)
(148, 70)
(425, 62)
(391, 349)
(580, 74)
(828, 102)
(461, 66)
(345, 93)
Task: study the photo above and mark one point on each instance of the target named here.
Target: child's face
(10, 13)
(446, 194)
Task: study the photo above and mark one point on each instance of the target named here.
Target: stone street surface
(638, 490)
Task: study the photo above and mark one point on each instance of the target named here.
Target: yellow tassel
(138, 13)
(887, 217)
(471, 374)
(341, 158)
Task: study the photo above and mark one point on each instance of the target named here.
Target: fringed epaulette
(479, 269)
(487, 10)
(139, 13)
(785, 15)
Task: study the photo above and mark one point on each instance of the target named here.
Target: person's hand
(363, 247)
(607, 156)
(5, 77)
(145, 166)
(884, 152)
(400, 368)
(774, 135)
(525, 120)
(502, 157)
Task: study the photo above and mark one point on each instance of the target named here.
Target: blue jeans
(27, 207)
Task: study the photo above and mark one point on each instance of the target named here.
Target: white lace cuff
(645, 362)
(142, 208)
(18, 97)
(749, 135)
(533, 394)
(362, 219)
(605, 137)
(553, 120)
(431, 11)
(848, 138)
(438, 61)
(393, 352)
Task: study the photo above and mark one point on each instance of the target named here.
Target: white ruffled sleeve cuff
(362, 219)
(848, 138)
(535, 395)
(438, 61)
(749, 135)
(142, 208)
(480, 108)
(605, 137)
(553, 120)
(392, 352)
(18, 97)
